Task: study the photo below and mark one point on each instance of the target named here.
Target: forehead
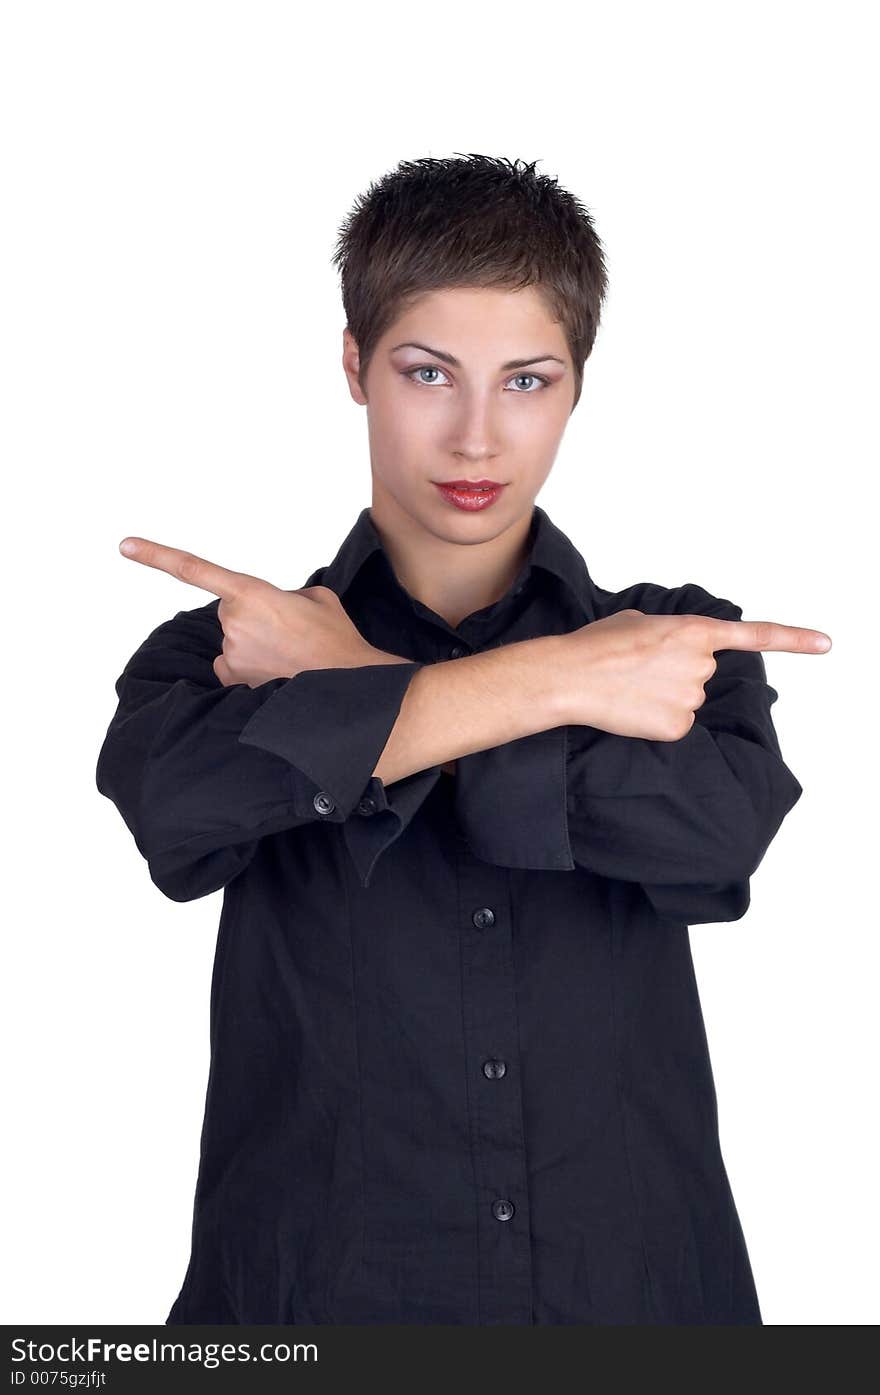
(479, 317)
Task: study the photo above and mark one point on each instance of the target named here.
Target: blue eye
(431, 368)
(535, 377)
(411, 371)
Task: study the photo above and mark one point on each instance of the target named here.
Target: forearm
(456, 707)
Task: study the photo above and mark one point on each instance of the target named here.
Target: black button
(502, 1209)
(367, 805)
(493, 1070)
(456, 652)
(324, 803)
(483, 918)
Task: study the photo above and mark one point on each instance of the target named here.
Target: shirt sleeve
(689, 820)
(201, 772)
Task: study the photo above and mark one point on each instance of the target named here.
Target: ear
(351, 363)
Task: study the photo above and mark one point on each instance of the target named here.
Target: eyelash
(546, 382)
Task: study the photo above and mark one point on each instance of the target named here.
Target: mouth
(470, 495)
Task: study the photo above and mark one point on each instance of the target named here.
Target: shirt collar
(550, 550)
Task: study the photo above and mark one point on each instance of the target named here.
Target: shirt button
(483, 918)
(456, 652)
(502, 1209)
(493, 1070)
(323, 802)
(367, 805)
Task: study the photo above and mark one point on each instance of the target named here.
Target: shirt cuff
(331, 725)
(383, 815)
(511, 802)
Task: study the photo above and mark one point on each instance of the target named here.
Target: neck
(453, 579)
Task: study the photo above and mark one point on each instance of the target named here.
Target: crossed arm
(641, 756)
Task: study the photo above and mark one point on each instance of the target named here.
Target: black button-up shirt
(459, 1072)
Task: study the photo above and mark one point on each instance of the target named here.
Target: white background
(173, 177)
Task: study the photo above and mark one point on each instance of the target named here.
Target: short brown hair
(477, 220)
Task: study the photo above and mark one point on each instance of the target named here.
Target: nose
(474, 434)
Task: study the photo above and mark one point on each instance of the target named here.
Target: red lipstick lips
(471, 495)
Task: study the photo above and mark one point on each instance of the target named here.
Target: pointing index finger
(186, 566)
(767, 634)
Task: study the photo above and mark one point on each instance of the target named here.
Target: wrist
(553, 655)
(524, 682)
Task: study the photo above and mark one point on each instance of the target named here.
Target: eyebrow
(511, 363)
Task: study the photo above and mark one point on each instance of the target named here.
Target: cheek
(545, 427)
(399, 444)
(401, 423)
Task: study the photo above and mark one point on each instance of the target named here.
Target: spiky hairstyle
(476, 221)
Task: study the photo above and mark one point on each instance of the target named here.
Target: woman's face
(431, 420)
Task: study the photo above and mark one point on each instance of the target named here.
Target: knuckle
(679, 726)
(187, 566)
(696, 624)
